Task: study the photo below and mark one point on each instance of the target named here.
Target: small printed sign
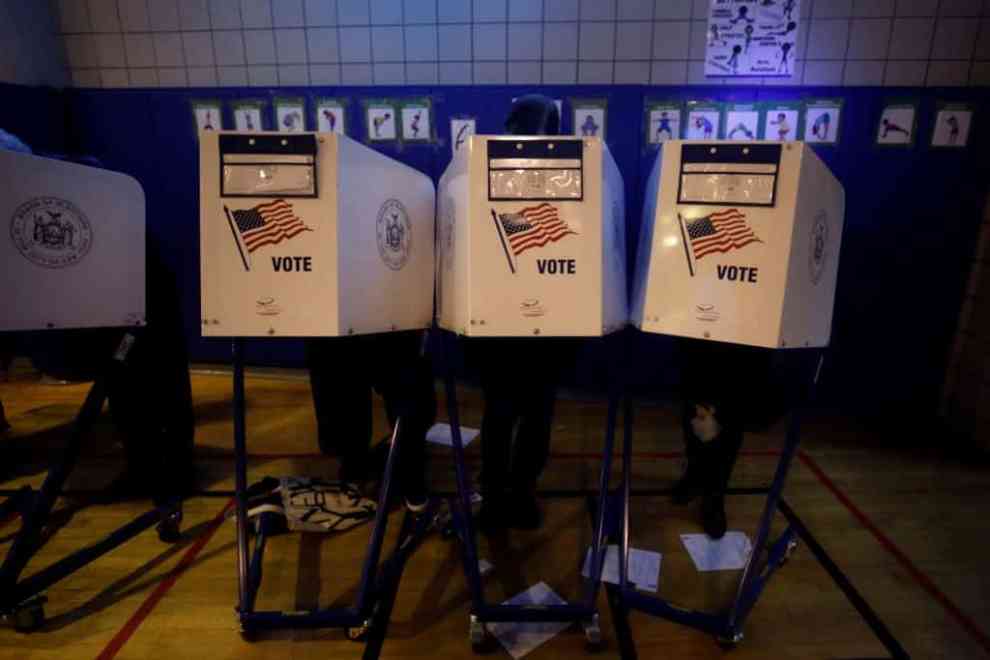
(290, 115)
(822, 120)
(207, 115)
(952, 125)
(703, 121)
(461, 128)
(781, 122)
(247, 116)
(663, 121)
(742, 122)
(416, 122)
(897, 124)
(330, 116)
(381, 121)
(589, 117)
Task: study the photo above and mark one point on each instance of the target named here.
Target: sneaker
(713, 516)
(525, 512)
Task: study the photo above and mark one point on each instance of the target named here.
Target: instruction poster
(461, 128)
(381, 121)
(289, 114)
(952, 122)
(751, 37)
(897, 124)
(703, 120)
(416, 124)
(742, 122)
(247, 115)
(589, 117)
(821, 121)
(330, 116)
(781, 121)
(663, 121)
(207, 115)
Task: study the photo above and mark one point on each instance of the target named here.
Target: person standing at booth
(519, 379)
(344, 371)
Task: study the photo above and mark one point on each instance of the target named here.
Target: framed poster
(952, 125)
(380, 116)
(703, 120)
(247, 115)
(663, 121)
(741, 121)
(822, 118)
(781, 121)
(461, 128)
(330, 116)
(207, 115)
(290, 114)
(897, 124)
(751, 37)
(589, 117)
(417, 124)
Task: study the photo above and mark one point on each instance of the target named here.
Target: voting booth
(531, 239)
(74, 254)
(311, 235)
(740, 244)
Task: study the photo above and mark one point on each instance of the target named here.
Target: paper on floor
(485, 567)
(644, 567)
(441, 434)
(729, 553)
(522, 638)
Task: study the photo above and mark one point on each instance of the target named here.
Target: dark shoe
(687, 487)
(494, 517)
(713, 516)
(525, 513)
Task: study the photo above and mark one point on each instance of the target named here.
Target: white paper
(644, 567)
(729, 553)
(460, 131)
(485, 567)
(441, 434)
(522, 638)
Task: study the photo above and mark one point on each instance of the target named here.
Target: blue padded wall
(912, 214)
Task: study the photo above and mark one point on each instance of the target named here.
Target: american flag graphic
(720, 232)
(268, 224)
(533, 226)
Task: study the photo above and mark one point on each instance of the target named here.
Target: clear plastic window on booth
(268, 166)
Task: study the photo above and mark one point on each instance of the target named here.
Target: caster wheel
(593, 634)
(477, 634)
(29, 618)
(729, 641)
(359, 633)
(169, 529)
(791, 547)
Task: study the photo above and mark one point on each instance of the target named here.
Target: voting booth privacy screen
(74, 253)
(311, 235)
(531, 239)
(739, 243)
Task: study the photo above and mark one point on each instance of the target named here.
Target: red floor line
(978, 634)
(130, 627)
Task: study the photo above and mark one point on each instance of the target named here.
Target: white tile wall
(293, 42)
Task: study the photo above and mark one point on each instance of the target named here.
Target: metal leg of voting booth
(767, 556)
(482, 612)
(367, 617)
(21, 601)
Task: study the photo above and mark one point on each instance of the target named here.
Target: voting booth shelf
(531, 239)
(75, 260)
(740, 244)
(531, 244)
(311, 235)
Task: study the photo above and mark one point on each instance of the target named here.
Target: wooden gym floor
(907, 527)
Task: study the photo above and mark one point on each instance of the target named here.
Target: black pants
(719, 377)
(344, 371)
(519, 379)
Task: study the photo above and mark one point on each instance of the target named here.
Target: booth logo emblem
(532, 308)
(818, 250)
(267, 307)
(706, 313)
(51, 232)
(394, 234)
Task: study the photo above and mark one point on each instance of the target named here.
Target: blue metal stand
(482, 612)
(21, 601)
(368, 617)
(766, 558)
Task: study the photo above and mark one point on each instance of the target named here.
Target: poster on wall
(290, 114)
(461, 128)
(751, 37)
(781, 121)
(952, 123)
(741, 122)
(330, 116)
(247, 115)
(703, 120)
(206, 115)
(663, 121)
(417, 125)
(380, 117)
(589, 117)
(821, 121)
(897, 124)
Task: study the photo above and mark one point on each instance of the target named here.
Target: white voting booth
(739, 243)
(531, 239)
(74, 251)
(311, 235)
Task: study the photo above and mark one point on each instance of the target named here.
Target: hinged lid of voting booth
(531, 239)
(311, 234)
(739, 243)
(74, 254)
